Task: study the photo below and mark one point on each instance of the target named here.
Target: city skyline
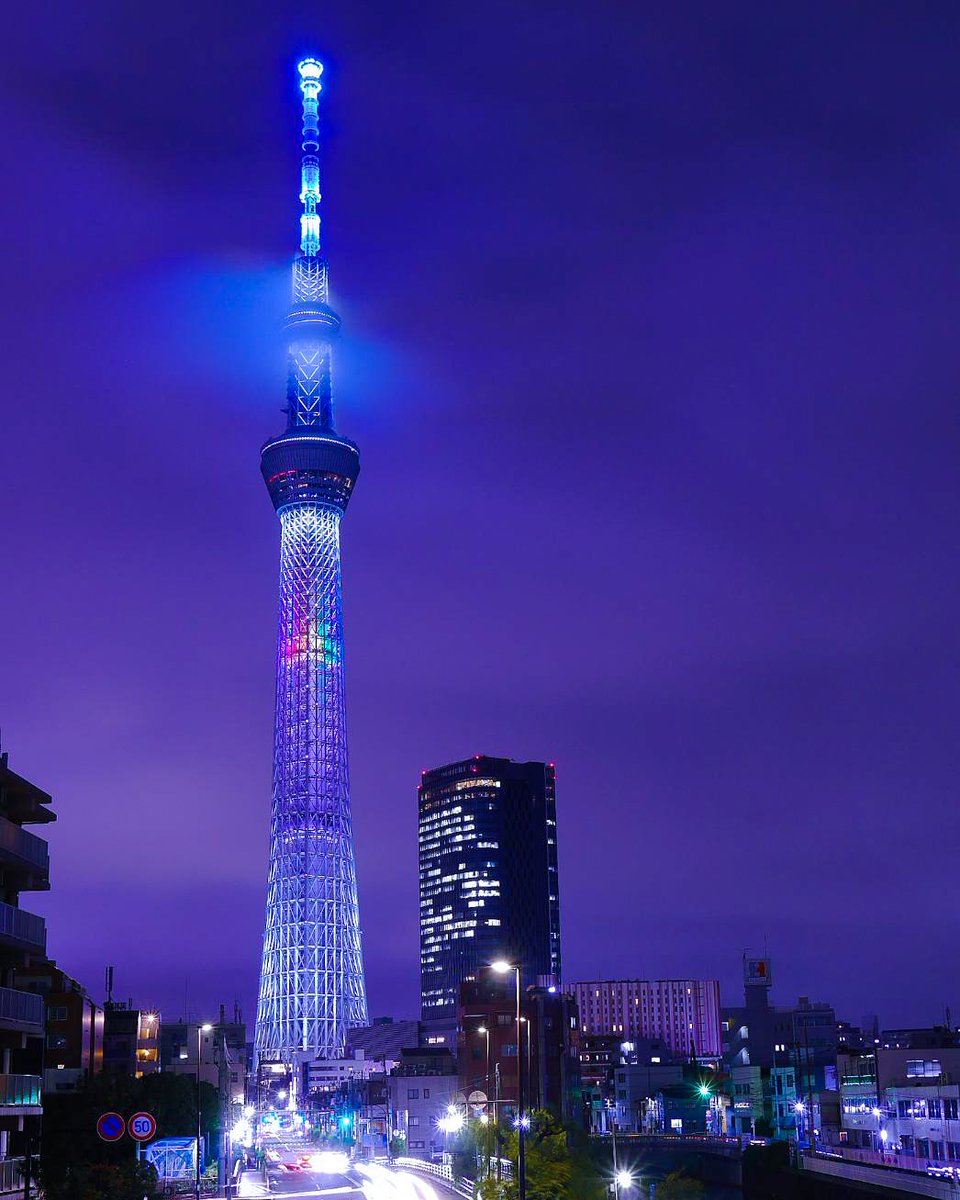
(737, 485)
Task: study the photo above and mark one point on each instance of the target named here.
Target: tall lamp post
(201, 1030)
(706, 1093)
(800, 1108)
(486, 1077)
(502, 967)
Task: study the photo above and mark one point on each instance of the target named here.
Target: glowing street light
(623, 1179)
(201, 1030)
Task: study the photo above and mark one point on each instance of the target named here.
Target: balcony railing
(11, 1175)
(22, 926)
(20, 1091)
(24, 1007)
(27, 846)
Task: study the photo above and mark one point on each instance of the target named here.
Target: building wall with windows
(549, 1044)
(24, 867)
(636, 1087)
(922, 1122)
(421, 1090)
(874, 1084)
(488, 875)
(684, 1013)
(74, 1026)
(131, 1039)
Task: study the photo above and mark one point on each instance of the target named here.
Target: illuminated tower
(311, 979)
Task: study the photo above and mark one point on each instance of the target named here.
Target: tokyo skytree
(311, 980)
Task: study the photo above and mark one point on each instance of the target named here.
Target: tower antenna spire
(310, 70)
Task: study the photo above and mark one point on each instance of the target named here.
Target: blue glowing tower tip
(310, 70)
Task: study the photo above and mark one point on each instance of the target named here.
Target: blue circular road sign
(111, 1126)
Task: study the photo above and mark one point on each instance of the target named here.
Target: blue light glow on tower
(311, 981)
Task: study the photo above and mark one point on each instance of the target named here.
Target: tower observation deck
(311, 980)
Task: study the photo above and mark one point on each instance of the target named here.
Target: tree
(465, 1152)
(555, 1170)
(110, 1181)
(678, 1186)
(75, 1164)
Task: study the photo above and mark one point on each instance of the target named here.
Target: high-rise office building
(488, 875)
(311, 980)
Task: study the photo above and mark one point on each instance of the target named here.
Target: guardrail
(27, 846)
(20, 1006)
(911, 1183)
(20, 1091)
(709, 1143)
(11, 1174)
(439, 1170)
(22, 926)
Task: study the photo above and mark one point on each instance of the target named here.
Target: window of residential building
(923, 1068)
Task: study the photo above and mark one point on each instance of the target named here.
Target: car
(329, 1162)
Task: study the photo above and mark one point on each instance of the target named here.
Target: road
(359, 1181)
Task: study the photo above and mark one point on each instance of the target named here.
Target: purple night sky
(651, 352)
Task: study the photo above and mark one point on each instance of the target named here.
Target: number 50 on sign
(142, 1126)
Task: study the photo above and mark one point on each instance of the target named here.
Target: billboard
(756, 972)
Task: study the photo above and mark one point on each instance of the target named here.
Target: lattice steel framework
(311, 981)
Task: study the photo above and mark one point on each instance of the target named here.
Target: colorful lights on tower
(311, 981)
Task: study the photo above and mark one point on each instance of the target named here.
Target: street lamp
(486, 1078)
(201, 1030)
(800, 1108)
(875, 1112)
(706, 1093)
(622, 1179)
(502, 967)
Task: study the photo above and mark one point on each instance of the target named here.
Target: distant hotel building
(488, 875)
(683, 1013)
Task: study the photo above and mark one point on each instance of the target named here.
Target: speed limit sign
(142, 1126)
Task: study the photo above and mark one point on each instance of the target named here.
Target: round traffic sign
(110, 1126)
(142, 1126)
